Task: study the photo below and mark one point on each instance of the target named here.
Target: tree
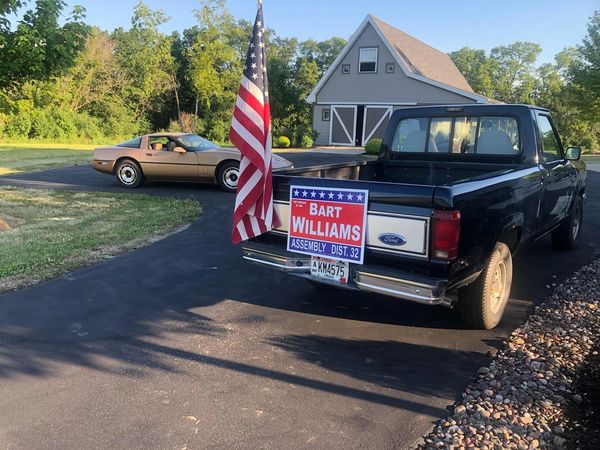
(477, 68)
(585, 72)
(322, 53)
(39, 47)
(145, 55)
(515, 75)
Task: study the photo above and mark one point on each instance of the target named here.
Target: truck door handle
(148, 154)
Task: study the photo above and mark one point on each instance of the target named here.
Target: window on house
(367, 60)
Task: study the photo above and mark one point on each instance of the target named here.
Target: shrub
(283, 142)
(19, 125)
(306, 141)
(372, 147)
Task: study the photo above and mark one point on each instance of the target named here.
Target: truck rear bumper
(400, 284)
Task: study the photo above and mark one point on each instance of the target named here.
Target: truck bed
(442, 173)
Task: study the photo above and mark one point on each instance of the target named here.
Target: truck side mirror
(574, 153)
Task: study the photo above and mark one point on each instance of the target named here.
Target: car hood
(281, 163)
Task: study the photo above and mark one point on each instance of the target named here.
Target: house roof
(416, 59)
(422, 59)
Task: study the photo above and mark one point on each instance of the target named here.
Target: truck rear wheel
(482, 303)
(566, 236)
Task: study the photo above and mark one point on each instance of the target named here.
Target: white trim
(331, 118)
(368, 103)
(312, 97)
(387, 114)
(360, 50)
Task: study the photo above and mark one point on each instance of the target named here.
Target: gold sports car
(174, 157)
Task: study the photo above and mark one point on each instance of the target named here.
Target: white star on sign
(350, 196)
(313, 194)
(296, 192)
(340, 196)
(304, 193)
(322, 194)
(331, 195)
(359, 197)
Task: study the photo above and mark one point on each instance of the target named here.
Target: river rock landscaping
(543, 389)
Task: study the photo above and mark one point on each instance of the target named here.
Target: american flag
(250, 132)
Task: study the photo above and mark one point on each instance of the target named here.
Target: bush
(19, 125)
(372, 147)
(283, 142)
(306, 141)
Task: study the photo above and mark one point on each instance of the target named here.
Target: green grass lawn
(44, 233)
(16, 158)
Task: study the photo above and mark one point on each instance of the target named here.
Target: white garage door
(342, 125)
(375, 122)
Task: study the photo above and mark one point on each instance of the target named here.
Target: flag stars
(331, 195)
(350, 196)
(254, 76)
(304, 193)
(340, 196)
(359, 197)
(296, 192)
(322, 194)
(313, 194)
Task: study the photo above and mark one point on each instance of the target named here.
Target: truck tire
(482, 303)
(566, 236)
(129, 173)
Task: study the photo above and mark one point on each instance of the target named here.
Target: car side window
(551, 150)
(158, 143)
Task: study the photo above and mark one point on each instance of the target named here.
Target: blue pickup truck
(455, 193)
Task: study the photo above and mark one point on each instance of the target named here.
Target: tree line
(62, 79)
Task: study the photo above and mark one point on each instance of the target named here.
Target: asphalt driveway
(183, 345)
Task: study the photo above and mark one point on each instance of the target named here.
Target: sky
(445, 25)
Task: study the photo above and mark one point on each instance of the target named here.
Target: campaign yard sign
(329, 223)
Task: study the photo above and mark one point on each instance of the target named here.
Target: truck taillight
(446, 233)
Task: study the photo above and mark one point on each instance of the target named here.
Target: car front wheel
(129, 174)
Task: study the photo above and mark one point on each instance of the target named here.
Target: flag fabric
(250, 132)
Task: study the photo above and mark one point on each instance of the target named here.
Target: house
(381, 69)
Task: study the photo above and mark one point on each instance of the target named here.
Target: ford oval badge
(392, 239)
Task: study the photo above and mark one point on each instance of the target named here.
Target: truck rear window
(461, 135)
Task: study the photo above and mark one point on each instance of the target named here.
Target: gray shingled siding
(320, 126)
(379, 87)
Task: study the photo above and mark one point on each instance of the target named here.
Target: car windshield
(131, 143)
(195, 143)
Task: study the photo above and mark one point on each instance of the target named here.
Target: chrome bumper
(361, 278)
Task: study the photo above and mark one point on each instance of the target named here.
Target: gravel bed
(530, 394)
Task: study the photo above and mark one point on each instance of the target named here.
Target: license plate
(329, 269)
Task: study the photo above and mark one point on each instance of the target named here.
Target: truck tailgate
(398, 218)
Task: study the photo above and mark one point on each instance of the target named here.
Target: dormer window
(367, 62)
